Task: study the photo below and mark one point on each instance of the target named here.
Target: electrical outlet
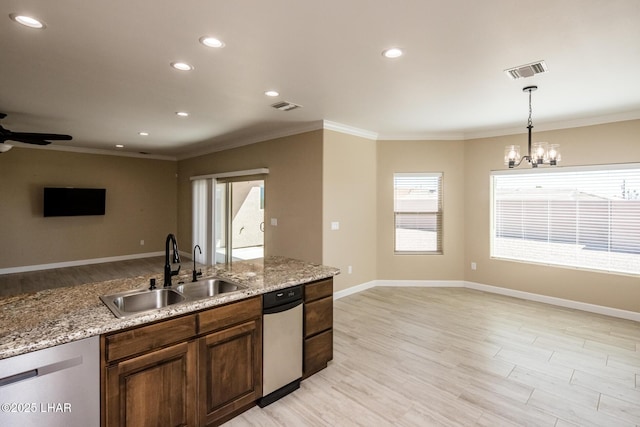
(473, 266)
(274, 222)
(335, 225)
(141, 242)
(349, 270)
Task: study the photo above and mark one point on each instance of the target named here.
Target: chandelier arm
(522, 159)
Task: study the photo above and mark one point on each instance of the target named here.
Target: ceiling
(101, 72)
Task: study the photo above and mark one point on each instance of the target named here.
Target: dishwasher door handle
(41, 371)
(281, 308)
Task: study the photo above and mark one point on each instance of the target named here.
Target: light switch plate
(274, 222)
(335, 225)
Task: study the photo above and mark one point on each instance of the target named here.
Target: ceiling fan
(26, 137)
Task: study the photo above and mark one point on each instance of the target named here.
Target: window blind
(418, 212)
(586, 217)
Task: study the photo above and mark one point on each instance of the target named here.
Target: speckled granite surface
(34, 321)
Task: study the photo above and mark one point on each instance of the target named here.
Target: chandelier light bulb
(511, 155)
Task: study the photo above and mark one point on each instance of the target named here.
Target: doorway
(239, 220)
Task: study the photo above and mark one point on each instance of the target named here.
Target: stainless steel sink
(125, 304)
(207, 288)
(134, 302)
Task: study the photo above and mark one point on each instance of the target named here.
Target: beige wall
(610, 143)
(293, 191)
(315, 178)
(349, 197)
(140, 205)
(422, 156)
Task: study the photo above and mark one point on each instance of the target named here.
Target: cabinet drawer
(318, 351)
(314, 291)
(230, 314)
(318, 316)
(145, 338)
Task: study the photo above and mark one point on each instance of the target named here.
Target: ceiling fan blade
(37, 136)
(26, 140)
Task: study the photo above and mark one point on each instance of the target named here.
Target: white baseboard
(592, 308)
(422, 283)
(26, 268)
(577, 305)
(353, 290)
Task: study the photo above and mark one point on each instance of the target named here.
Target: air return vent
(285, 106)
(528, 70)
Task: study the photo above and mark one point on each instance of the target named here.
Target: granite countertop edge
(52, 317)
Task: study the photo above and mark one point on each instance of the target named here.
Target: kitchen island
(47, 318)
(200, 359)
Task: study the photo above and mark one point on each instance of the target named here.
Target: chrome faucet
(196, 274)
(168, 272)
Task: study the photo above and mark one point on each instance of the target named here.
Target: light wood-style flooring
(460, 357)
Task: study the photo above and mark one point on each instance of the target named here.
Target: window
(417, 204)
(587, 217)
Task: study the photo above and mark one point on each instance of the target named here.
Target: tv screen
(74, 201)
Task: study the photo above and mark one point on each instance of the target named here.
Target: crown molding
(349, 130)
(296, 129)
(94, 151)
(453, 136)
(563, 124)
(227, 145)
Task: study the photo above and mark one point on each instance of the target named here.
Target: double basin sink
(129, 303)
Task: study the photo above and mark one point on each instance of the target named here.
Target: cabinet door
(230, 371)
(156, 389)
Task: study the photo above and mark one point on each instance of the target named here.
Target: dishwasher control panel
(282, 296)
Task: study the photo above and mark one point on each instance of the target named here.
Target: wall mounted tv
(74, 201)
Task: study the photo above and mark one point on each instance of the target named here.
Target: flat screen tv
(74, 201)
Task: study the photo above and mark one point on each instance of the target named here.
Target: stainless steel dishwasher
(282, 343)
(53, 387)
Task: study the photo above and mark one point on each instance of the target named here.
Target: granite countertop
(47, 318)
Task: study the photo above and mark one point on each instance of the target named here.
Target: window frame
(439, 214)
(577, 224)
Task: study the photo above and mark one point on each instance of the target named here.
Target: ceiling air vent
(528, 70)
(285, 106)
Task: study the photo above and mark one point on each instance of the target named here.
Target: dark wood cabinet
(318, 326)
(155, 389)
(203, 368)
(230, 362)
(199, 369)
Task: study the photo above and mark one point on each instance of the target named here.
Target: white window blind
(587, 217)
(418, 212)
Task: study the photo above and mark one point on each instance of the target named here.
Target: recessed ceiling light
(119, 146)
(272, 93)
(211, 41)
(143, 133)
(182, 66)
(27, 21)
(182, 114)
(394, 52)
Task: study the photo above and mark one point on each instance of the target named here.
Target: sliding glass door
(228, 219)
(239, 220)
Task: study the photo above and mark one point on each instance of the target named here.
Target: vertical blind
(587, 217)
(418, 212)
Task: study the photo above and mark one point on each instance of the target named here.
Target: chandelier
(538, 153)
